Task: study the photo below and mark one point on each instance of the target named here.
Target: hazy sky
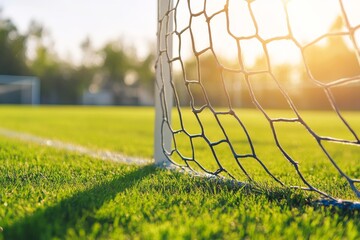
(70, 21)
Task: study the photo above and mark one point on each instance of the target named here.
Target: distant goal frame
(29, 87)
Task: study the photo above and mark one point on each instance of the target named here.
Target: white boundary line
(101, 154)
(117, 157)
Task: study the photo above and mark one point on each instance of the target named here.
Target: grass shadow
(78, 211)
(68, 212)
(285, 197)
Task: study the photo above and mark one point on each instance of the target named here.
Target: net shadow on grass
(80, 209)
(54, 221)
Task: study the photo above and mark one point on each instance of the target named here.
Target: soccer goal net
(19, 90)
(261, 91)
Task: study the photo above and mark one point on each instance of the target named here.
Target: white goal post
(163, 92)
(249, 89)
(19, 90)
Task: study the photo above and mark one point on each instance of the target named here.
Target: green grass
(118, 129)
(47, 193)
(130, 131)
(294, 139)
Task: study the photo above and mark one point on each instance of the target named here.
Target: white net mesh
(263, 91)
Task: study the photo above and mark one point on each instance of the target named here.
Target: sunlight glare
(214, 6)
(270, 18)
(352, 8)
(182, 16)
(221, 38)
(310, 19)
(252, 50)
(197, 6)
(240, 22)
(200, 32)
(283, 51)
(357, 38)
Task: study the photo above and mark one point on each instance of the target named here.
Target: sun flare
(253, 25)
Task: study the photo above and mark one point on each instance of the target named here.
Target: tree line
(64, 82)
(116, 67)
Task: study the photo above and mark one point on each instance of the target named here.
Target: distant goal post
(224, 66)
(19, 90)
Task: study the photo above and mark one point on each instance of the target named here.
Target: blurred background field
(128, 130)
(96, 58)
(106, 55)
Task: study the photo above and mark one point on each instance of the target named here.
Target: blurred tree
(58, 82)
(64, 82)
(57, 78)
(123, 72)
(116, 61)
(146, 72)
(36, 29)
(328, 60)
(207, 72)
(12, 49)
(90, 56)
(333, 58)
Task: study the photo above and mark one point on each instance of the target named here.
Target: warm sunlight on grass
(49, 193)
(257, 102)
(130, 131)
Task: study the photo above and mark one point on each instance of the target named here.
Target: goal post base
(339, 203)
(325, 202)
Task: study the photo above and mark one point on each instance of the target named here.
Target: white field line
(101, 154)
(117, 157)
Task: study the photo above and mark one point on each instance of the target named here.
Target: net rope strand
(192, 162)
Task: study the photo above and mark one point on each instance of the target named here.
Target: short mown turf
(47, 193)
(130, 130)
